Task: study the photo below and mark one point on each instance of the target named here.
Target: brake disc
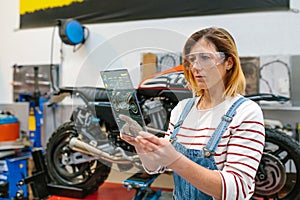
(272, 180)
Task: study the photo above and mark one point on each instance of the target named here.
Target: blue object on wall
(71, 31)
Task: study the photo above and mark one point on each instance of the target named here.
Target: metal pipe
(80, 146)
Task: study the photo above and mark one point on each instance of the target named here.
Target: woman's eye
(204, 57)
(192, 59)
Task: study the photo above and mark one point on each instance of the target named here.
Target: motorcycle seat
(90, 93)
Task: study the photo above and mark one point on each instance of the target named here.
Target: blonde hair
(235, 80)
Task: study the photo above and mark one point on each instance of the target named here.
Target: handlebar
(267, 97)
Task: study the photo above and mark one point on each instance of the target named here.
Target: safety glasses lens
(205, 59)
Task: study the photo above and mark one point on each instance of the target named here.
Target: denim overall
(183, 189)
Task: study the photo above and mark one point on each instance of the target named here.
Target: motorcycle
(81, 152)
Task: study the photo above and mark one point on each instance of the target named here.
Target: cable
(272, 62)
(52, 66)
(54, 84)
(166, 61)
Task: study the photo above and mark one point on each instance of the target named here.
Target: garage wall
(116, 45)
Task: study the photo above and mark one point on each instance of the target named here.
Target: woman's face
(207, 65)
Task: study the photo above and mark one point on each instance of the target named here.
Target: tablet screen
(122, 96)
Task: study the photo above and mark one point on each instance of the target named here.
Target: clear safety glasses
(205, 60)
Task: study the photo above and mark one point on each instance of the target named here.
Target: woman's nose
(197, 65)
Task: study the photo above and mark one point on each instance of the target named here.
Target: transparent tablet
(122, 96)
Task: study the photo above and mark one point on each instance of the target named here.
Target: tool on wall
(34, 84)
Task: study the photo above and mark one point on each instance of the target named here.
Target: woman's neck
(210, 100)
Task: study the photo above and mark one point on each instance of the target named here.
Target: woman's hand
(158, 150)
(152, 150)
(131, 127)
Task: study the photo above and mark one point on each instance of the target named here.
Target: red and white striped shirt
(241, 146)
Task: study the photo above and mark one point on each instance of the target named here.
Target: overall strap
(221, 128)
(186, 110)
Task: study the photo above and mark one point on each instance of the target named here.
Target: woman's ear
(229, 63)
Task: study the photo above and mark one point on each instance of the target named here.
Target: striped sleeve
(244, 152)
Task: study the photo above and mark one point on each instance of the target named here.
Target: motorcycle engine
(156, 114)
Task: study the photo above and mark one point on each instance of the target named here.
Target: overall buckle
(172, 140)
(227, 118)
(207, 153)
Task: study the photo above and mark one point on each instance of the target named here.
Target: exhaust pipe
(85, 148)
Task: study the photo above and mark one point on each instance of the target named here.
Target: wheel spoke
(277, 152)
(285, 159)
(60, 165)
(74, 169)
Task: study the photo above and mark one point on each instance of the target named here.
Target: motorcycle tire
(278, 176)
(87, 176)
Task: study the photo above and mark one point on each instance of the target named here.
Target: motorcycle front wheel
(278, 175)
(87, 175)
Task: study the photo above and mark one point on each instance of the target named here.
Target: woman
(213, 71)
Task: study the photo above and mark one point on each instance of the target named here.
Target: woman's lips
(199, 77)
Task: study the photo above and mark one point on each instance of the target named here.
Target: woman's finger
(151, 138)
(147, 145)
(128, 139)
